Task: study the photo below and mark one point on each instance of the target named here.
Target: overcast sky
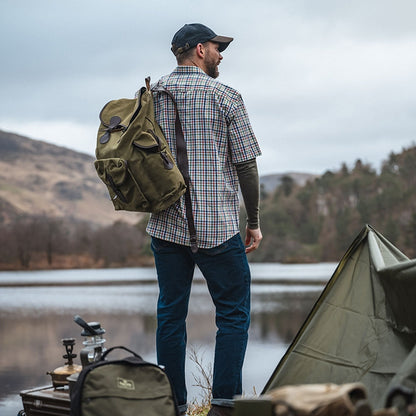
(324, 81)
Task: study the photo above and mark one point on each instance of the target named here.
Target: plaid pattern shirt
(218, 135)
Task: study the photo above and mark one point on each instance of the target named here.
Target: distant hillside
(44, 179)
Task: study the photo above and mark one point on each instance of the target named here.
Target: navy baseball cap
(191, 34)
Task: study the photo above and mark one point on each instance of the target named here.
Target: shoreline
(258, 281)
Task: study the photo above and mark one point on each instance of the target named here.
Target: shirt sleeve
(242, 140)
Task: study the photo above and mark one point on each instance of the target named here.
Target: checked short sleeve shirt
(218, 135)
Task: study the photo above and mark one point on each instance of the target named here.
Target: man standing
(222, 151)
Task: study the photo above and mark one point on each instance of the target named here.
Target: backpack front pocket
(125, 193)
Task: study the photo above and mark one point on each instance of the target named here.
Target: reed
(203, 380)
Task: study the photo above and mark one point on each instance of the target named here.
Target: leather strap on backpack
(183, 165)
(182, 159)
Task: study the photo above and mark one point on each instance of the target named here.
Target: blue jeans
(227, 274)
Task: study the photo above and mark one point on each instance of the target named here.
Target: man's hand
(253, 238)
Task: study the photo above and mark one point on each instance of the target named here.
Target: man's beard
(212, 69)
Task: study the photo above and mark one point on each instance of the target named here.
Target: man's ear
(200, 50)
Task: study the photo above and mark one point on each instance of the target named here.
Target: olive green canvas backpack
(133, 158)
(128, 386)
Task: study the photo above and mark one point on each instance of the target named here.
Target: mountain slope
(43, 179)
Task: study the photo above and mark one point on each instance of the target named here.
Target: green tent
(362, 327)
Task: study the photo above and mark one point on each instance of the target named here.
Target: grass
(203, 380)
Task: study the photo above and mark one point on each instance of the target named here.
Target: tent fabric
(405, 378)
(363, 325)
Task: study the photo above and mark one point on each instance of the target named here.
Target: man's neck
(191, 62)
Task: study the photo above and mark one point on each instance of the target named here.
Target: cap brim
(223, 41)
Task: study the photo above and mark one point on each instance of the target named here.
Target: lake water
(37, 309)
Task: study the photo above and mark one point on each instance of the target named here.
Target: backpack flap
(147, 141)
(117, 115)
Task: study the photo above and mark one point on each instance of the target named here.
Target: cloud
(324, 82)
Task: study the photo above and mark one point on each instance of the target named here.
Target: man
(222, 151)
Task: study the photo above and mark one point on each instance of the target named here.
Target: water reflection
(33, 320)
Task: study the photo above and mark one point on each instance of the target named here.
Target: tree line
(48, 242)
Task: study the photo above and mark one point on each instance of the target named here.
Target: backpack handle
(120, 347)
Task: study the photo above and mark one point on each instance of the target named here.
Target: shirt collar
(184, 69)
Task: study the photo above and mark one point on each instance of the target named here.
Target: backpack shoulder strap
(183, 165)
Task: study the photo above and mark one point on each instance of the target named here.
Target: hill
(37, 178)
